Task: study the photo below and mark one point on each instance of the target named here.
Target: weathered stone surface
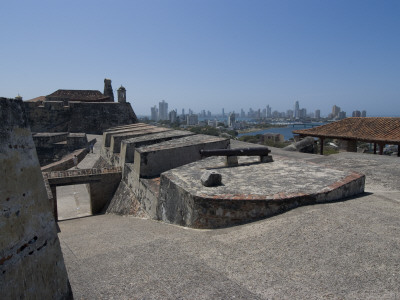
(142, 198)
(102, 183)
(211, 178)
(31, 262)
(306, 145)
(86, 117)
(154, 159)
(53, 147)
(116, 139)
(65, 162)
(250, 191)
(128, 146)
(113, 131)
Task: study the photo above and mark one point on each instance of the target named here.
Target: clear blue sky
(208, 54)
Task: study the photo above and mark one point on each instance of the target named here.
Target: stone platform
(249, 191)
(161, 171)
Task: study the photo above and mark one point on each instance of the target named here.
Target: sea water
(285, 131)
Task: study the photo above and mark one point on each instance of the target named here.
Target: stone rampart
(154, 159)
(87, 117)
(31, 261)
(66, 162)
(53, 147)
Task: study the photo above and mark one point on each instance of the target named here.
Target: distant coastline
(286, 130)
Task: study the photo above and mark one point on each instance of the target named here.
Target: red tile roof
(37, 99)
(385, 130)
(78, 95)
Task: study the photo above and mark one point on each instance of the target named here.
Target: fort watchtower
(121, 95)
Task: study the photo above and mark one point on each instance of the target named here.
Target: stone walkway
(73, 200)
(342, 250)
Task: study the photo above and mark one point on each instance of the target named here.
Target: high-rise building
(264, 113)
(242, 113)
(192, 119)
(356, 113)
(342, 115)
(154, 113)
(335, 111)
(172, 116)
(302, 113)
(269, 109)
(317, 114)
(231, 119)
(289, 114)
(223, 112)
(163, 110)
(296, 110)
(364, 114)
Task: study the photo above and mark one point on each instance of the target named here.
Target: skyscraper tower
(108, 91)
(296, 110)
(231, 119)
(154, 113)
(163, 110)
(269, 114)
(335, 111)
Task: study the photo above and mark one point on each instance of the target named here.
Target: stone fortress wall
(87, 111)
(31, 261)
(88, 117)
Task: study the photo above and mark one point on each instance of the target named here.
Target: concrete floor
(342, 250)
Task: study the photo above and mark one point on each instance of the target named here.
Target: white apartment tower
(163, 110)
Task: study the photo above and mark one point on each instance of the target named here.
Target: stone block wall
(31, 261)
(151, 161)
(135, 196)
(86, 117)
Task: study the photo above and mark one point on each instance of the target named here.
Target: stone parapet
(152, 160)
(113, 131)
(128, 146)
(116, 139)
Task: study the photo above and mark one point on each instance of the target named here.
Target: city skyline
(161, 113)
(208, 54)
